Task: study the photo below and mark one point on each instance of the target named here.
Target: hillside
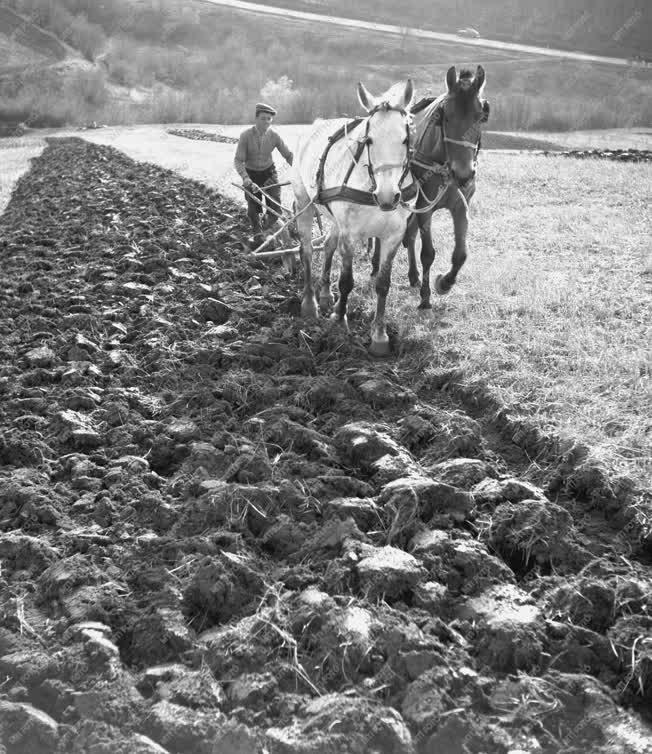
(596, 26)
(19, 32)
(174, 61)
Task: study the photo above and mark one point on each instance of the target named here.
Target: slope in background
(18, 32)
(597, 26)
(201, 63)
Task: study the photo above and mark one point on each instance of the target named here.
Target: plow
(195, 484)
(286, 218)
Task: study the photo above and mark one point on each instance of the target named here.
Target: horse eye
(369, 140)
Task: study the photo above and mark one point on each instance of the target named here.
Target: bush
(305, 73)
(12, 111)
(88, 87)
(280, 93)
(86, 37)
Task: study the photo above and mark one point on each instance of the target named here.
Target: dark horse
(447, 144)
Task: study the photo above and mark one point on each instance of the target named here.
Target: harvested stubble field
(227, 532)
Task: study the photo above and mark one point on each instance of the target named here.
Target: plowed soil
(225, 530)
(619, 155)
(197, 133)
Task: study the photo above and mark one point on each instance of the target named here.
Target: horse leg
(325, 295)
(308, 300)
(379, 340)
(409, 240)
(443, 283)
(346, 281)
(374, 243)
(427, 258)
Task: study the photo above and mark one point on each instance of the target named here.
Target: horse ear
(408, 95)
(366, 100)
(485, 112)
(451, 78)
(478, 82)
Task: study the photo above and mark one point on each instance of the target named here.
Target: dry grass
(15, 156)
(552, 307)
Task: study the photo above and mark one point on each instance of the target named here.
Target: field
(553, 309)
(16, 154)
(226, 530)
(551, 306)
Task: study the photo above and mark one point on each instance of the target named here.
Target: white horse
(372, 161)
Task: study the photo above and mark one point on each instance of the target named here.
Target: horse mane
(394, 96)
(434, 104)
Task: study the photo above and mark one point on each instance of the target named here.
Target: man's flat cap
(261, 107)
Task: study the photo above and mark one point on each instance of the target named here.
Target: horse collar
(358, 196)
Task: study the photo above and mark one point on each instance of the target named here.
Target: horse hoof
(440, 290)
(325, 303)
(424, 306)
(380, 348)
(343, 321)
(415, 282)
(309, 309)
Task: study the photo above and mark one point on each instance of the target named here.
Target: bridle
(366, 141)
(368, 198)
(439, 119)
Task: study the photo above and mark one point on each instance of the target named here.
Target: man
(254, 163)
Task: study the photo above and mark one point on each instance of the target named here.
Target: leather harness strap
(346, 192)
(343, 131)
(359, 196)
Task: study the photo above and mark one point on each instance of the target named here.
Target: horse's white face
(387, 142)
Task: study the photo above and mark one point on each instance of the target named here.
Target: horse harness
(359, 196)
(442, 169)
(437, 119)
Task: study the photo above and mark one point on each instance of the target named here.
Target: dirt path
(225, 530)
(351, 23)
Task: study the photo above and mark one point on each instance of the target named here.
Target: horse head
(387, 141)
(461, 112)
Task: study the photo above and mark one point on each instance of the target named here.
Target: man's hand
(247, 182)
